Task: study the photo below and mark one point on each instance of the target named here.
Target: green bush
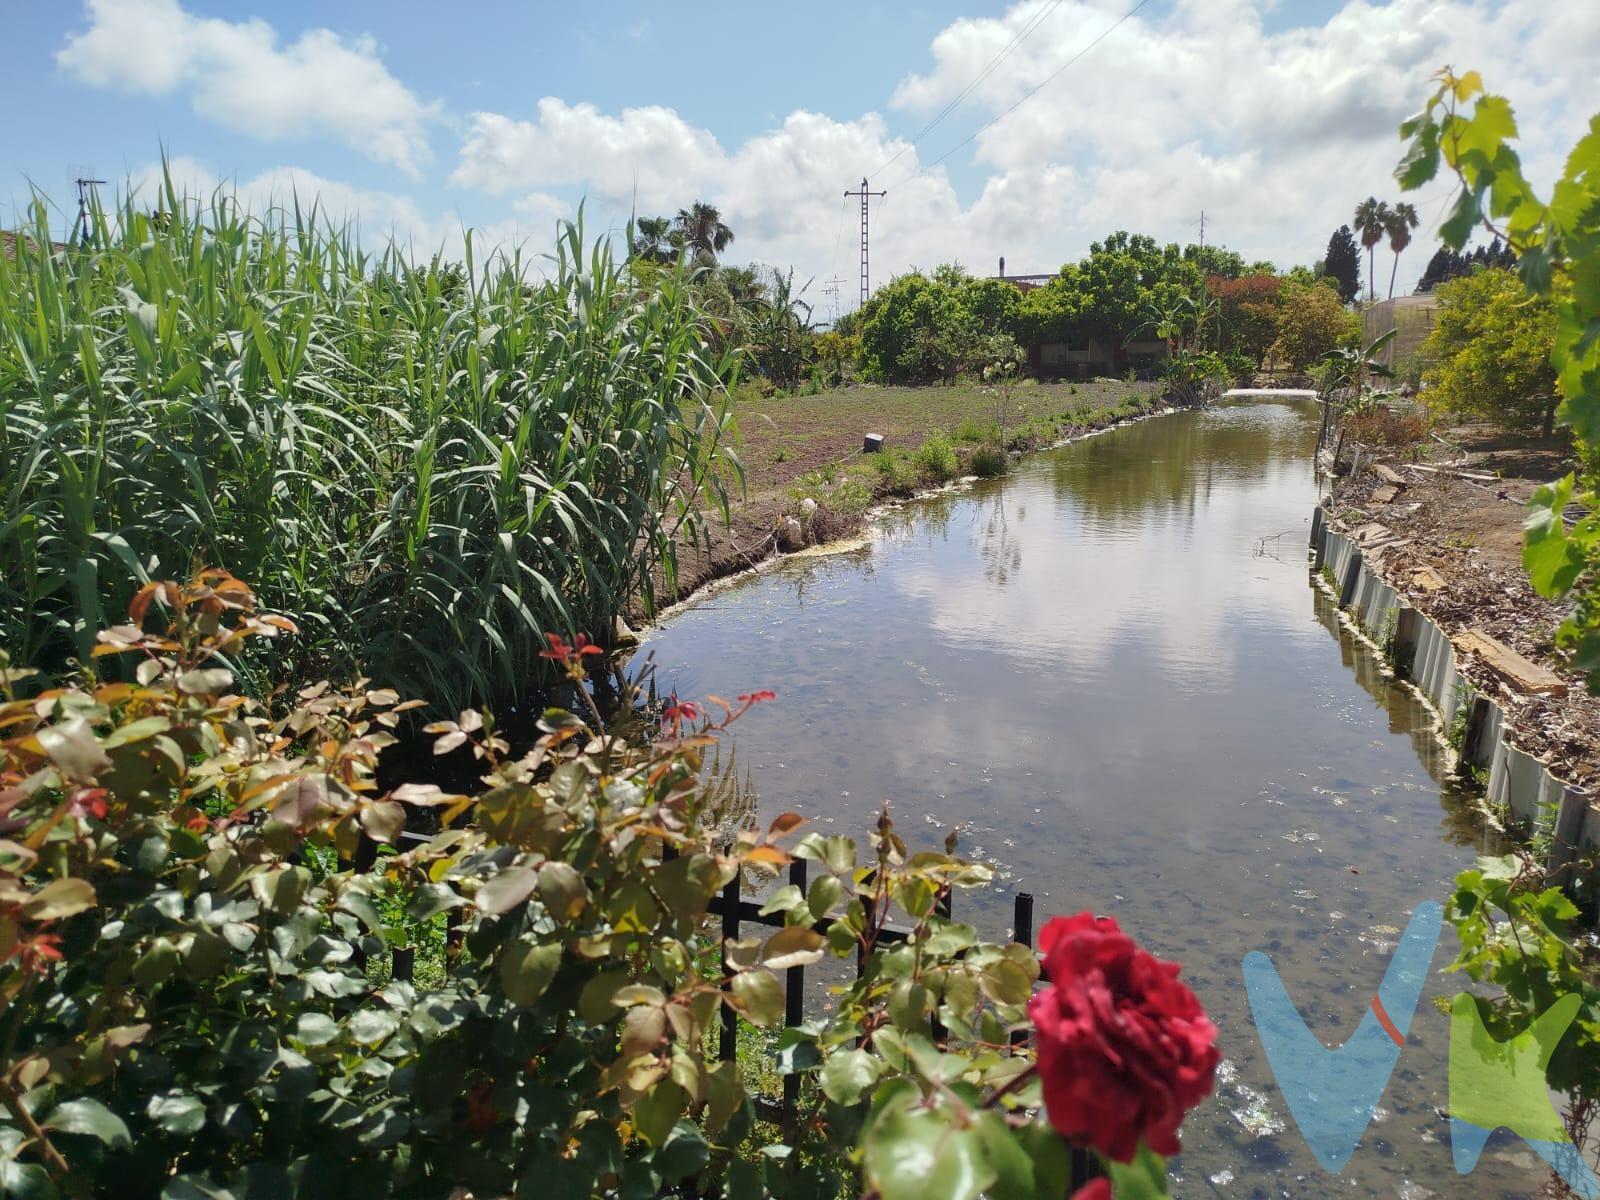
(936, 458)
(988, 461)
(1490, 352)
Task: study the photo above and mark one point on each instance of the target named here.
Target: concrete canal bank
(1518, 786)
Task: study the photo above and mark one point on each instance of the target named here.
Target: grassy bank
(799, 448)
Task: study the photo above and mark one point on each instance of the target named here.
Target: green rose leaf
(92, 1118)
(205, 680)
(59, 898)
(72, 745)
(562, 889)
(26, 1181)
(384, 820)
(316, 1029)
(657, 1111)
(526, 970)
(917, 1153)
(1005, 982)
(847, 1074)
(1145, 1178)
(826, 892)
(371, 1025)
(793, 946)
(506, 891)
(759, 996)
(1011, 1160)
(685, 1153)
(177, 1113)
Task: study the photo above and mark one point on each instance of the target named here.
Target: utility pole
(865, 198)
(830, 289)
(1202, 229)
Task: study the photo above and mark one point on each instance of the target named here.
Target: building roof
(8, 244)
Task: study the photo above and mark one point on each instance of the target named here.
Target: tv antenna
(82, 179)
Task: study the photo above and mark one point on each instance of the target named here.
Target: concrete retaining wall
(1424, 656)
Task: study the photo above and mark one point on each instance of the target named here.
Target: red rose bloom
(1124, 1048)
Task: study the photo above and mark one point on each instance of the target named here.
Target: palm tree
(1402, 220)
(652, 239)
(1372, 219)
(700, 230)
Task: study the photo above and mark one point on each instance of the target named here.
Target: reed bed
(429, 465)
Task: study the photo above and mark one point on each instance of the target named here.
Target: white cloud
(649, 149)
(239, 75)
(1275, 135)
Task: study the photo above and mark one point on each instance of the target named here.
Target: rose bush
(200, 993)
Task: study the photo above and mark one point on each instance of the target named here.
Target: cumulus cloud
(1275, 134)
(238, 74)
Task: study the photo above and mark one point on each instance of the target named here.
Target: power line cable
(987, 71)
(1030, 94)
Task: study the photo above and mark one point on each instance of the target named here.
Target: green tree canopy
(1126, 275)
(1312, 321)
(1490, 346)
(1343, 263)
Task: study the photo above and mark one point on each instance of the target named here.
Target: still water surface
(1129, 703)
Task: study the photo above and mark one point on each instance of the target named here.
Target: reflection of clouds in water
(1095, 568)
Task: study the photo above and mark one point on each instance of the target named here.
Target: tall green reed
(430, 464)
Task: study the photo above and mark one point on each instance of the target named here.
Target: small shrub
(1382, 426)
(851, 496)
(972, 431)
(936, 458)
(988, 461)
(780, 455)
(898, 472)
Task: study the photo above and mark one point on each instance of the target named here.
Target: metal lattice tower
(866, 197)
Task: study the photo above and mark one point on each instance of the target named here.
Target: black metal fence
(735, 912)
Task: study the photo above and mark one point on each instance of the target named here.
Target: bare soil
(1463, 520)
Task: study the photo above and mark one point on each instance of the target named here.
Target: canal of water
(1116, 678)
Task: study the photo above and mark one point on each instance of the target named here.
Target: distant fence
(1412, 319)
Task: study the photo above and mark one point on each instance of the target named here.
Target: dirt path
(1460, 509)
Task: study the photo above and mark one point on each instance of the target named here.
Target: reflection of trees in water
(923, 521)
(801, 573)
(1000, 546)
(1172, 463)
(1460, 820)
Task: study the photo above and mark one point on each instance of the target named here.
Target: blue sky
(1274, 118)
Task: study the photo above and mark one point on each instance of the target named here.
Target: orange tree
(196, 999)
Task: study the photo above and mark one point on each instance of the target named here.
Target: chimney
(1002, 266)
